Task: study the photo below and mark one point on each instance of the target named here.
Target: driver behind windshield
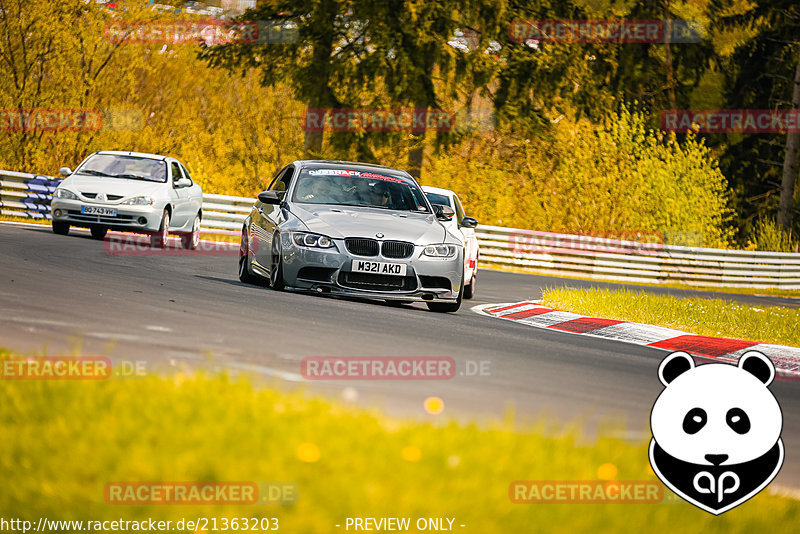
(319, 191)
(379, 194)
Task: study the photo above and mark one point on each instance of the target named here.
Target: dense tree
(760, 75)
(235, 112)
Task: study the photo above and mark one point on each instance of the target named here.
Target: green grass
(710, 317)
(62, 441)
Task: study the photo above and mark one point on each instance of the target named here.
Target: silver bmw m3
(352, 229)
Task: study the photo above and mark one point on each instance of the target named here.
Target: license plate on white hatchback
(379, 267)
(96, 210)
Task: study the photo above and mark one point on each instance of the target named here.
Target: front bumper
(128, 218)
(329, 271)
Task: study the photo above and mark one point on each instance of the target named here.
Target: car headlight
(303, 239)
(441, 250)
(65, 194)
(139, 201)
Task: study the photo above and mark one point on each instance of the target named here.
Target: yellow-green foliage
(586, 179)
(63, 441)
(711, 317)
(233, 134)
(768, 235)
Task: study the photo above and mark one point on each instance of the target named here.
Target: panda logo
(716, 430)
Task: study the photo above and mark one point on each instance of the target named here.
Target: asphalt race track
(61, 294)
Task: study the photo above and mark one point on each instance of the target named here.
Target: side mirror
(65, 171)
(443, 213)
(269, 197)
(182, 182)
(469, 222)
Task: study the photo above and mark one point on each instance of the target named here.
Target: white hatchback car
(464, 227)
(131, 192)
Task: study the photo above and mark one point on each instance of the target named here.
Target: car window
(459, 208)
(126, 167)
(186, 172)
(176, 172)
(436, 198)
(283, 180)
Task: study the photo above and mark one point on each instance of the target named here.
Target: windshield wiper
(95, 173)
(362, 205)
(131, 176)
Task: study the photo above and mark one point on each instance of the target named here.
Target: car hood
(345, 221)
(114, 186)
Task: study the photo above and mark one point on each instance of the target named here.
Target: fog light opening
(427, 296)
(142, 220)
(58, 213)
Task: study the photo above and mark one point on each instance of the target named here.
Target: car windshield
(128, 167)
(345, 187)
(435, 198)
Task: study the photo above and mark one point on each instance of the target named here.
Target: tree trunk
(415, 155)
(673, 104)
(312, 143)
(790, 163)
(417, 152)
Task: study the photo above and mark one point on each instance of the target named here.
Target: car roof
(134, 154)
(438, 190)
(355, 165)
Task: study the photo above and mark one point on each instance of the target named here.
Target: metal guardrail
(632, 261)
(28, 195)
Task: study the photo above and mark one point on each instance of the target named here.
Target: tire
(447, 307)
(276, 280)
(159, 239)
(190, 240)
(98, 232)
(60, 227)
(244, 262)
(469, 289)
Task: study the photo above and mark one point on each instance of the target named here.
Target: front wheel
(98, 232)
(447, 307)
(191, 240)
(159, 239)
(469, 289)
(244, 261)
(276, 269)
(60, 227)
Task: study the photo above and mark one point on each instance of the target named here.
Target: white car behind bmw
(462, 226)
(131, 192)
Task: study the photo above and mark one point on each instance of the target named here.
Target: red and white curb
(530, 313)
